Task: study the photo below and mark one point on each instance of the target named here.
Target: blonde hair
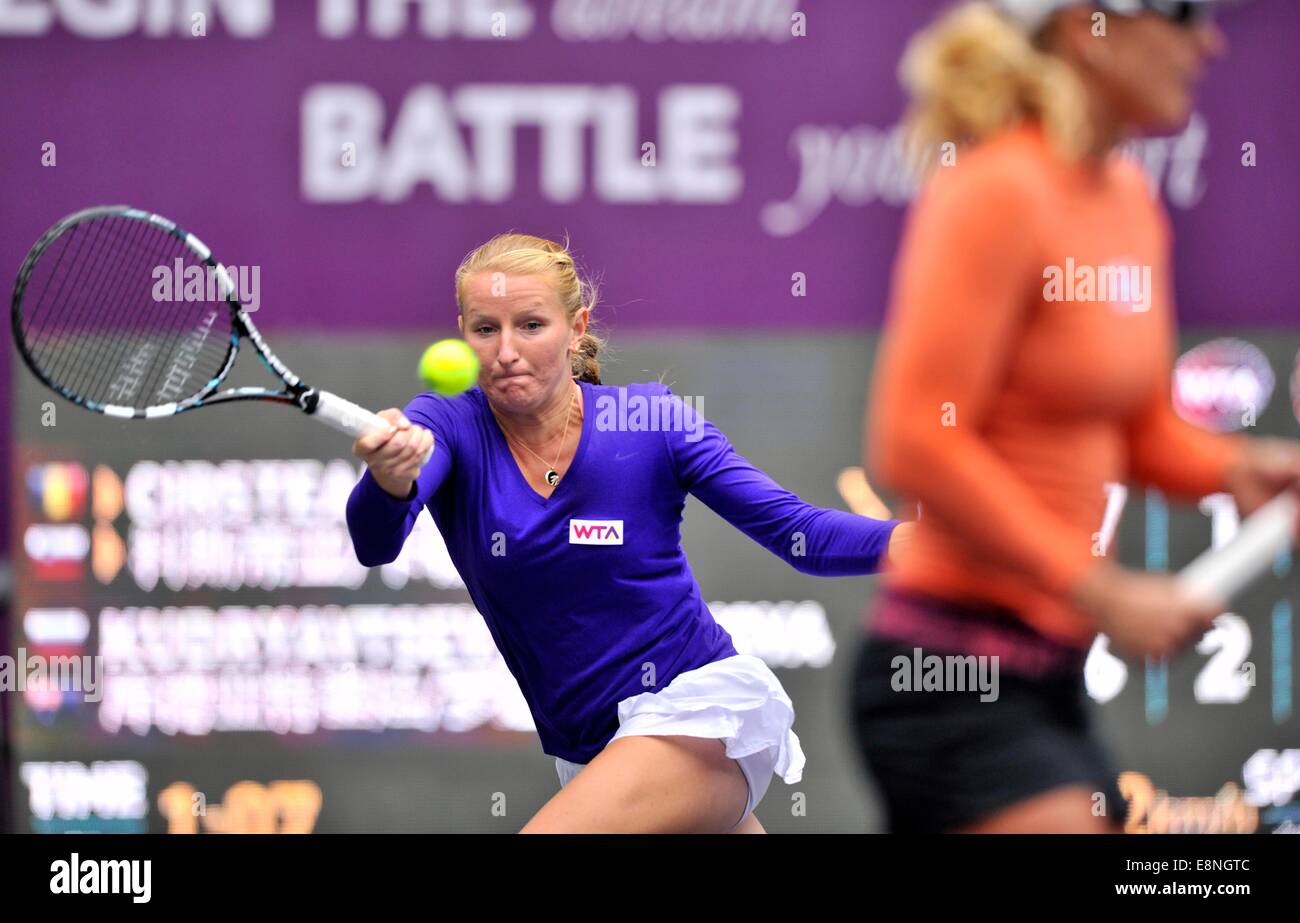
(526, 255)
(974, 72)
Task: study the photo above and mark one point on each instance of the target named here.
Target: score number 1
(1226, 677)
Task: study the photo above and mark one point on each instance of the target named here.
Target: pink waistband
(940, 625)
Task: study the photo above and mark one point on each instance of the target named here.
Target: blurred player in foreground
(560, 500)
(1008, 392)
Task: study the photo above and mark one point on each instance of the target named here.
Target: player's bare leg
(650, 785)
(1061, 810)
(749, 825)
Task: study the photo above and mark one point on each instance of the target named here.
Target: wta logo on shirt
(595, 531)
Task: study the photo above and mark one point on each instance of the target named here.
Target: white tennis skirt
(737, 700)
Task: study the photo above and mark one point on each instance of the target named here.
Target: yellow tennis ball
(449, 367)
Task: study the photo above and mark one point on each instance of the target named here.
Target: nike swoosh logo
(621, 456)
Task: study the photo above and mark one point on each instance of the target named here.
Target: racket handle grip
(1220, 574)
(352, 419)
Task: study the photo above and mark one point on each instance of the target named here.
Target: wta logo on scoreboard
(1223, 385)
(595, 531)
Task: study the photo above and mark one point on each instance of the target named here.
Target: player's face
(1148, 68)
(517, 327)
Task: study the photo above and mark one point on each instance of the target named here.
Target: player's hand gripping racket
(1218, 575)
(87, 323)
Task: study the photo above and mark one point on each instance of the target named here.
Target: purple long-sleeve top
(588, 593)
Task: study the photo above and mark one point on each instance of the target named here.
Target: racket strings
(72, 354)
(99, 270)
(98, 327)
(59, 348)
(131, 349)
(108, 276)
(52, 339)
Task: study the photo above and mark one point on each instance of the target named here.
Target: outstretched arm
(378, 521)
(823, 542)
(863, 500)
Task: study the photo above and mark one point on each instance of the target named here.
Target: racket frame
(242, 326)
(332, 410)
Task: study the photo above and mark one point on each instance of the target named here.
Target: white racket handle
(353, 419)
(1220, 574)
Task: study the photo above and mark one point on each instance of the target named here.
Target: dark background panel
(793, 406)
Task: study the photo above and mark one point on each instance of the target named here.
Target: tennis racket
(88, 320)
(1220, 574)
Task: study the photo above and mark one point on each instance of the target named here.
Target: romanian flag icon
(58, 490)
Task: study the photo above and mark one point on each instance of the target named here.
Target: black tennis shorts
(946, 759)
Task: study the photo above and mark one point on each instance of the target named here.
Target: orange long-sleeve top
(1005, 398)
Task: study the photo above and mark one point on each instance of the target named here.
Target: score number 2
(1222, 680)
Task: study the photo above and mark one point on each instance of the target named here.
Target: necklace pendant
(552, 476)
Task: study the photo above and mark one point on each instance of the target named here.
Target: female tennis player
(562, 512)
(1004, 408)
